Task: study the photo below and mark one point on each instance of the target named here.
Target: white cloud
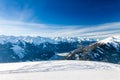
(103, 30)
(22, 28)
(12, 22)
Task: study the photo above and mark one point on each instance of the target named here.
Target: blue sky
(85, 18)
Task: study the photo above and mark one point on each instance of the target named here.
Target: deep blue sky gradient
(67, 12)
(53, 18)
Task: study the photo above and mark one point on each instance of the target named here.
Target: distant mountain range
(27, 48)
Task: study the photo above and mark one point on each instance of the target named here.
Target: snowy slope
(59, 70)
(45, 66)
(64, 75)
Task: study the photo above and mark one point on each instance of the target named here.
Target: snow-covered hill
(46, 66)
(59, 70)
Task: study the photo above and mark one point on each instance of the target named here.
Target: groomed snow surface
(59, 70)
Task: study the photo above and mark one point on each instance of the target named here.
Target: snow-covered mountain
(112, 41)
(27, 48)
(15, 49)
(107, 50)
(38, 40)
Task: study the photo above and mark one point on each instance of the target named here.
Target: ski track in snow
(59, 70)
(64, 75)
(47, 66)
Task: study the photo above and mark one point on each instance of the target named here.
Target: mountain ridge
(37, 48)
(30, 39)
(107, 50)
(27, 48)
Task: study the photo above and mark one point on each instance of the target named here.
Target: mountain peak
(110, 39)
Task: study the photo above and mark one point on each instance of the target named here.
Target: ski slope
(59, 70)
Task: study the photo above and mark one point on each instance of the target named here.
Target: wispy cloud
(22, 28)
(13, 21)
(100, 31)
